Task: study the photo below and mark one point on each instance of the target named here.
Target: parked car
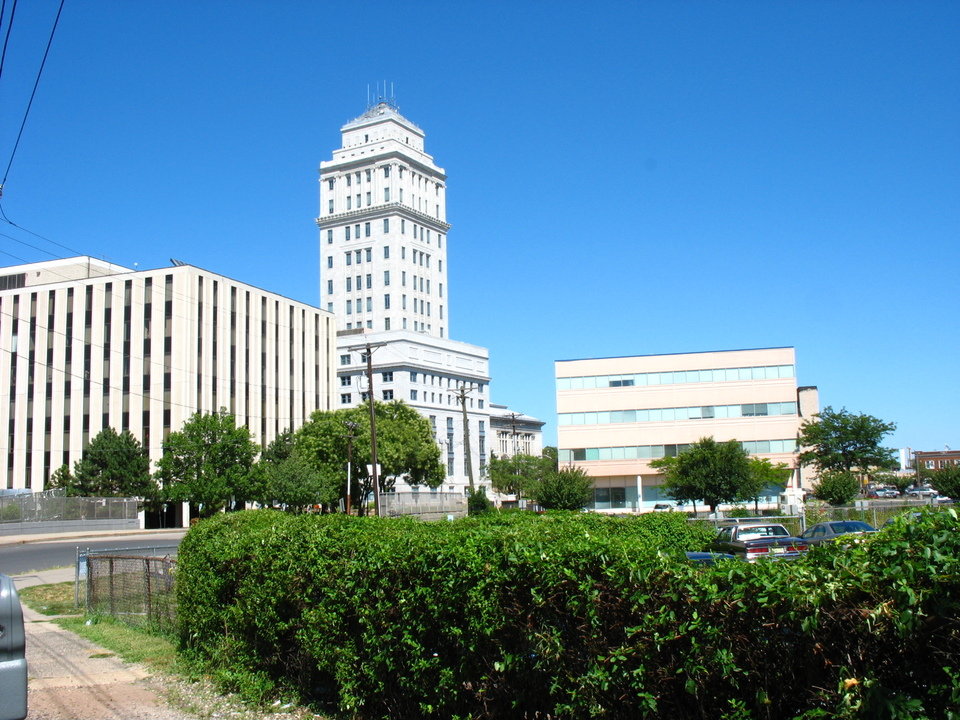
(708, 558)
(924, 491)
(830, 531)
(751, 541)
(883, 493)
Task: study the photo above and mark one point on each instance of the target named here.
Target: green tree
(210, 463)
(289, 479)
(551, 457)
(947, 481)
(478, 502)
(763, 476)
(518, 475)
(567, 489)
(843, 441)
(715, 472)
(406, 448)
(112, 465)
(836, 487)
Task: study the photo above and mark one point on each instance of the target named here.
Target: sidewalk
(53, 537)
(70, 678)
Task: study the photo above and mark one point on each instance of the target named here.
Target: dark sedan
(830, 531)
(758, 540)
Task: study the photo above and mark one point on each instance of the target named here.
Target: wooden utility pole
(462, 397)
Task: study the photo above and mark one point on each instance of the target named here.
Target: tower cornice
(383, 210)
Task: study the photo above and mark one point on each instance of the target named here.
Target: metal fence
(53, 511)
(136, 589)
(427, 505)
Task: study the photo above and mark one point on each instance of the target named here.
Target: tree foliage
(112, 465)
(210, 463)
(836, 487)
(763, 475)
(843, 441)
(715, 472)
(519, 475)
(406, 449)
(569, 488)
(289, 479)
(947, 481)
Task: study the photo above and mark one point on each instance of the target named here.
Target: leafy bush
(570, 615)
(836, 487)
(478, 502)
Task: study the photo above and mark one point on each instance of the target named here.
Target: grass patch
(133, 645)
(56, 599)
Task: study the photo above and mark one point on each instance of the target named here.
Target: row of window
(704, 412)
(354, 178)
(767, 372)
(645, 452)
(419, 232)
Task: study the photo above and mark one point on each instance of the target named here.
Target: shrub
(837, 488)
(570, 615)
(478, 502)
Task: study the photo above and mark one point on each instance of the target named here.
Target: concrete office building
(615, 415)
(514, 433)
(383, 273)
(86, 345)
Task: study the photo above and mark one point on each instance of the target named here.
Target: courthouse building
(383, 274)
(86, 345)
(615, 415)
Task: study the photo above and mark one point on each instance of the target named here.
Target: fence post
(146, 570)
(112, 606)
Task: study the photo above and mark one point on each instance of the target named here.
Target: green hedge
(570, 615)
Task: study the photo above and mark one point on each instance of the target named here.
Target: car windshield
(851, 526)
(762, 531)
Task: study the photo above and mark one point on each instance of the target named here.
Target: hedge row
(573, 616)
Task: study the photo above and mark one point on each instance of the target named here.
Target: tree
(210, 463)
(947, 481)
(567, 489)
(406, 448)
(289, 479)
(710, 471)
(763, 475)
(843, 441)
(518, 475)
(112, 465)
(837, 487)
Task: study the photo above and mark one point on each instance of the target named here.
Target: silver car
(830, 531)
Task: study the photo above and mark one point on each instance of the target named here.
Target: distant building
(615, 415)
(514, 433)
(383, 273)
(86, 345)
(936, 459)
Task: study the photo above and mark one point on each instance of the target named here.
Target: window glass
(592, 454)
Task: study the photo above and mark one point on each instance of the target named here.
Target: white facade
(514, 433)
(383, 229)
(86, 345)
(383, 273)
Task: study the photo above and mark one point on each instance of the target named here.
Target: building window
(386, 171)
(386, 252)
(346, 232)
(386, 323)
(388, 394)
(350, 307)
(386, 277)
(369, 304)
(349, 180)
(329, 237)
(348, 258)
(356, 231)
(386, 301)
(349, 202)
(403, 278)
(330, 184)
(368, 175)
(386, 225)
(386, 195)
(345, 399)
(369, 280)
(369, 254)
(329, 287)
(357, 256)
(413, 376)
(344, 381)
(366, 229)
(329, 261)
(368, 198)
(387, 376)
(349, 285)
(344, 359)
(413, 394)
(330, 207)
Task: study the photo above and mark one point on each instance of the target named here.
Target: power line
(33, 93)
(6, 40)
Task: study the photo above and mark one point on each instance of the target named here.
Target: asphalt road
(17, 559)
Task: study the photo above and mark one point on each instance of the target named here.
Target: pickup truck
(758, 540)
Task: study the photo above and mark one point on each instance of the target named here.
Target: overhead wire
(6, 39)
(33, 93)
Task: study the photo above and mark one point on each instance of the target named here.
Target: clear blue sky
(624, 178)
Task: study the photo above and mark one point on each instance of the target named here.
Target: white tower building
(383, 228)
(383, 273)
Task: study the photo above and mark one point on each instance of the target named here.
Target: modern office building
(383, 273)
(86, 345)
(615, 415)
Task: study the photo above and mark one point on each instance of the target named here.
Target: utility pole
(368, 349)
(351, 428)
(513, 422)
(462, 397)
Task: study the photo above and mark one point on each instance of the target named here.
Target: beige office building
(615, 415)
(86, 345)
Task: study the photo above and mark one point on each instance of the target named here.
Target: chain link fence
(53, 511)
(136, 589)
(426, 505)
